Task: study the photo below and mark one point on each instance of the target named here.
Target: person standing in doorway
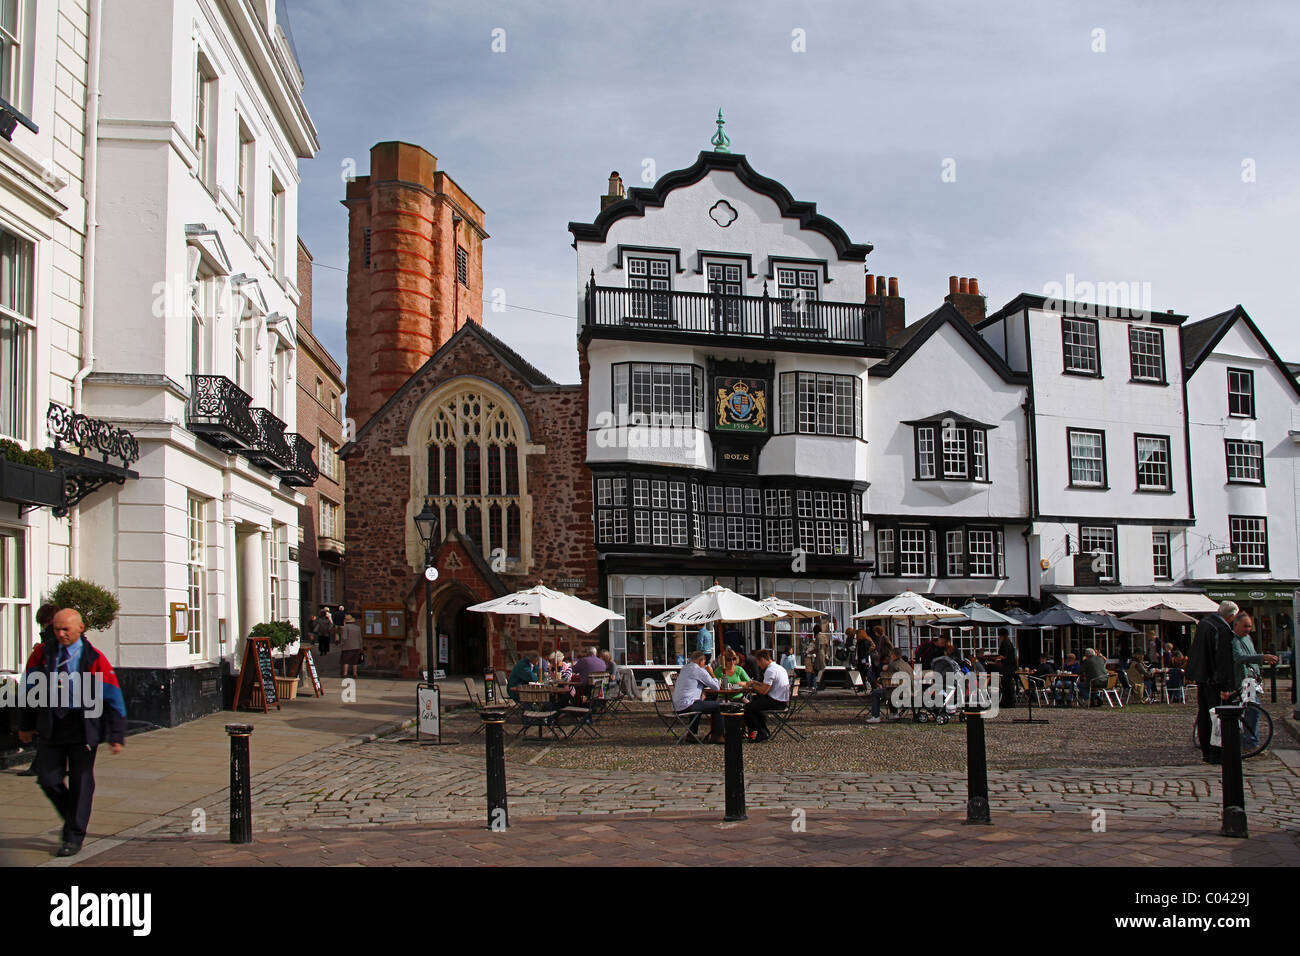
(71, 726)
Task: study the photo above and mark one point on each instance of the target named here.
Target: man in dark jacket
(1209, 664)
(78, 706)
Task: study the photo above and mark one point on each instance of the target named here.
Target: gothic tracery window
(473, 463)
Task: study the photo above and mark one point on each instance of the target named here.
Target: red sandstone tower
(415, 270)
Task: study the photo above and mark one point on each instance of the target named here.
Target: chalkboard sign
(294, 669)
(258, 673)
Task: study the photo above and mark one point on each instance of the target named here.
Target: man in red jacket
(79, 705)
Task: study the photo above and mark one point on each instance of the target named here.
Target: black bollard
(241, 791)
(977, 775)
(494, 722)
(1272, 683)
(1234, 790)
(733, 718)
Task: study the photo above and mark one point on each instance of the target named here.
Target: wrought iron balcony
(302, 471)
(270, 450)
(736, 316)
(219, 412)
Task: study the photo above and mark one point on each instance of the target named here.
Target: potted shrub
(280, 634)
(28, 477)
(97, 606)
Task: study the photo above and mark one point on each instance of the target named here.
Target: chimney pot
(881, 286)
(893, 287)
(974, 286)
(871, 284)
(963, 285)
(952, 285)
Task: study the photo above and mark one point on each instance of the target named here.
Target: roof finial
(721, 141)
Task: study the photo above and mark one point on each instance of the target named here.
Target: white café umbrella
(541, 601)
(714, 605)
(914, 607)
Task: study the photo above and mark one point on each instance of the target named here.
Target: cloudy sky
(1109, 142)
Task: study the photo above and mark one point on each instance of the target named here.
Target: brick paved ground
(765, 839)
(323, 804)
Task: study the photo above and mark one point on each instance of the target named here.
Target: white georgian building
(1244, 411)
(202, 123)
(44, 77)
(726, 346)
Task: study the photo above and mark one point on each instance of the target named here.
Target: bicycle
(1263, 725)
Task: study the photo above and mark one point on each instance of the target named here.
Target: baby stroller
(942, 702)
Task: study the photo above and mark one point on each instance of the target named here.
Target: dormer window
(798, 290)
(951, 447)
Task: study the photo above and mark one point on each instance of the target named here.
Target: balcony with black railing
(302, 471)
(218, 411)
(794, 321)
(271, 450)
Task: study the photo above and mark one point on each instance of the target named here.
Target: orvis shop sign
(1225, 562)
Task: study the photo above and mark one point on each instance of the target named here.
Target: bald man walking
(73, 704)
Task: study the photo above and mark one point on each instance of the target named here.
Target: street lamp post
(426, 522)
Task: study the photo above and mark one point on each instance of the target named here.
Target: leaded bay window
(17, 330)
(659, 394)
(1245, 461)
(662, 513)
(816, 403)
(951, 449)
(946, 551)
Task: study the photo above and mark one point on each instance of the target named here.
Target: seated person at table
(588, 665)
(1046, 667)
(1139, 675)
(770, 693)
(688, 691)
(1072, 665)
(561, 669)
(884, 687)
(730, 671)
(526, 670)
(1096, 675)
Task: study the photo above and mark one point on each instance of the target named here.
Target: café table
(1068, 686)
(726, 693)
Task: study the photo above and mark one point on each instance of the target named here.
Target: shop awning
(1126, 603)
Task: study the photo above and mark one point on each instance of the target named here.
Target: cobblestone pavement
(387, 782)
(766, 838)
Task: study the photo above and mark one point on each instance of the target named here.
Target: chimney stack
(616, 191)
(882, 292)
(965, 296)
